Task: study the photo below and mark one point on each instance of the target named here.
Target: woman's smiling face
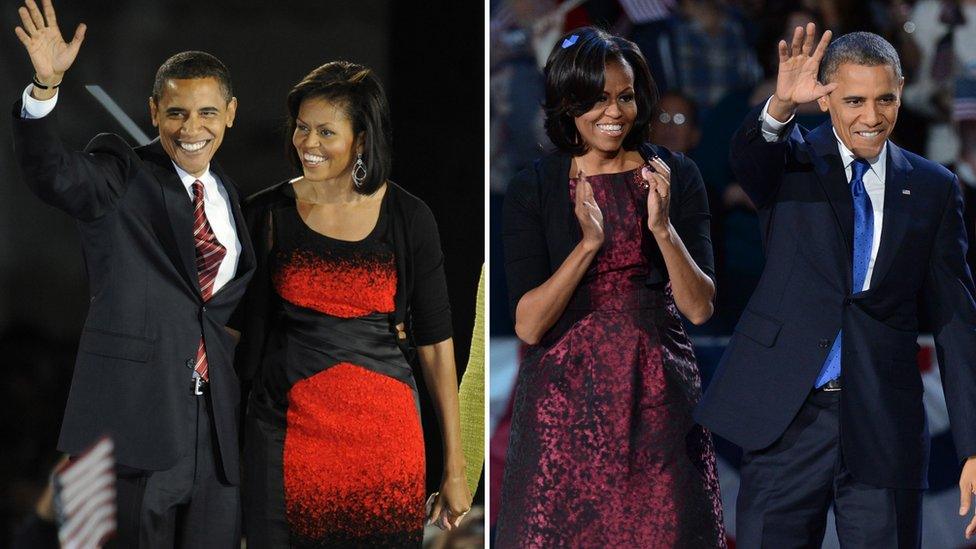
(604, 127)
(324, 139)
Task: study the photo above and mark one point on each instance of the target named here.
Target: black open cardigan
(421, 301)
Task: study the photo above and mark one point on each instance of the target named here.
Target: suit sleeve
(523, 238)
(952, 309)
(86, 185)
(758, 164)
(430, 307)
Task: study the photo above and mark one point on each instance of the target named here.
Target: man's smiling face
(192, 115)
(864, 106)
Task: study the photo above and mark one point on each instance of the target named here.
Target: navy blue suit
(768, 371)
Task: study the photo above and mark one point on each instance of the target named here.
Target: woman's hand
(41, 36)
(450, 505)
(589, 215)
(658, 177)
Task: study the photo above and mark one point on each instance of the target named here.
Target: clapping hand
(40, 35)
(657, 174)
(588, 214)
(796, 81)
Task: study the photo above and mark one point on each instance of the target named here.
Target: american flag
(84, 497)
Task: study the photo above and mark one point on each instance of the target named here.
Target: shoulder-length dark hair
(575, 79)
(357, 90)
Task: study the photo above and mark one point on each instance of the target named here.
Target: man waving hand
(168, 258)
(820, 384)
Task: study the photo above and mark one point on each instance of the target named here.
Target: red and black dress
(334, 450)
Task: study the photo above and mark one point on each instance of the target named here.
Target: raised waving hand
(799, 63)
(41, 36)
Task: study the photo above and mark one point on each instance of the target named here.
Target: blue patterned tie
(863, 237)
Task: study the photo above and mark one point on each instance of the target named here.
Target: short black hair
(356, 90)
(858, 48)
(574, 83)
(193, 64)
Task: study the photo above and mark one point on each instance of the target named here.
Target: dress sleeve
(523, 238)
(430, 308)
(691, 218)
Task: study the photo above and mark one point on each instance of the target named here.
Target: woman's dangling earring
(359, 171)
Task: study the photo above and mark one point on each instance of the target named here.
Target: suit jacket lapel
(177, 236)
(833, 179)
(897, 211)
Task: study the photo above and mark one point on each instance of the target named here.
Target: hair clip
(570, 41)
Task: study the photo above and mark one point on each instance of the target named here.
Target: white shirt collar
(877, 163)
(207, 179)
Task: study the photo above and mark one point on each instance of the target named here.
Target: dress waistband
(620, 298)
(366, 341)
(306, 342)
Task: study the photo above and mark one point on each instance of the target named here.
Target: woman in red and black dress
(606, 245)
(350, 269)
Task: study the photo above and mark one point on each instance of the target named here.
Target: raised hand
(40, 35)
(796, 81)
(588, 213)
(658, 178)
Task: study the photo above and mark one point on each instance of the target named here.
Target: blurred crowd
(713, 60)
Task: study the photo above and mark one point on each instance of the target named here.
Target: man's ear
(231, 111)
(152, 112)
(824, 103)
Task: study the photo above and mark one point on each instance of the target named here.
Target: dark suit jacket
(804, 297)
(132, 377)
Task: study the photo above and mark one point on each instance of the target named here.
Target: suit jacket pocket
(759, 328)
(114, 345)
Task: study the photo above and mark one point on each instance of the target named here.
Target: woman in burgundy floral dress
(606, 242)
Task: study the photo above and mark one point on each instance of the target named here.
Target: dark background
(430, 60)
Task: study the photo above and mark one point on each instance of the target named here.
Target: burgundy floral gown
(603, 450)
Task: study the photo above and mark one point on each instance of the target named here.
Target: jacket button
(823, 343)
(190, 363)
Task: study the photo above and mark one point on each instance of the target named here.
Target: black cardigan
(421, 301)
(539, 228)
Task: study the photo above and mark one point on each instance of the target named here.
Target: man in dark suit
(819, 384)
(168, 258)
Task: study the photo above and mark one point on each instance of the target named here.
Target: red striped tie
(209, 255)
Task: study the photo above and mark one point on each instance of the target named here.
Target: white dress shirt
(874, 178)
(216, 203)
(216, 206)
(35, 108)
